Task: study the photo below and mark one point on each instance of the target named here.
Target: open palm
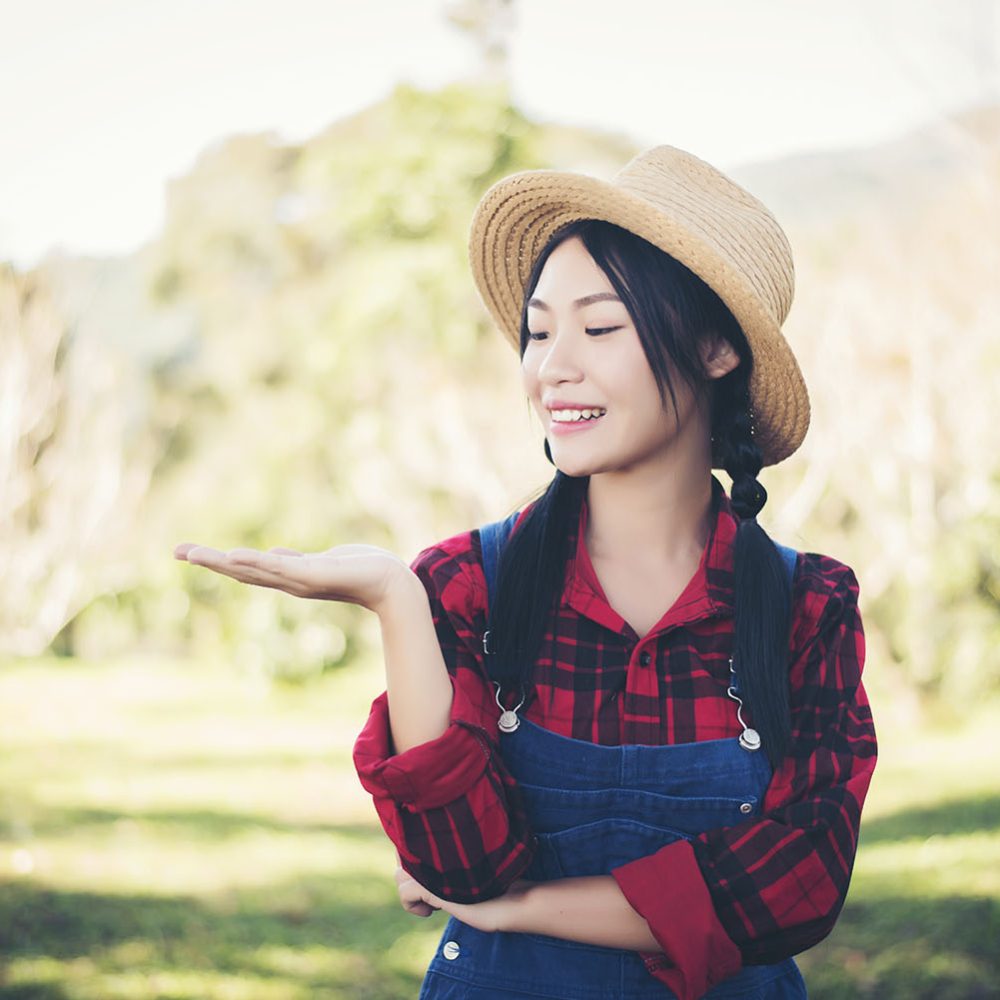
(354, 573)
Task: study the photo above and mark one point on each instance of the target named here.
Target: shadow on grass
(31, 991)
(949, 818)
(918, 949)
(884, 947)
(238, 937)
(194, 824)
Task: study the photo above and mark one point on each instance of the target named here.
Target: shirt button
(645, 659)
(451, 950)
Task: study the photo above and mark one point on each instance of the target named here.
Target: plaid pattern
(775, 883)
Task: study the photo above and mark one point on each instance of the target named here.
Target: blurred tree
(894, 324)
(72, 475)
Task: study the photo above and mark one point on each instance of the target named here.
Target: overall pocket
(590, 832)
(596, 848)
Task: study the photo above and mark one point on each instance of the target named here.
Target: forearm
(418, 688)
(591, 910)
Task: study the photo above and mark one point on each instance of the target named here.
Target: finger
(270, 561)
(267, 569)
(413, 890)
(243, 565)
(298, 574)
(203, 555)
(206, 556)
(420, 907)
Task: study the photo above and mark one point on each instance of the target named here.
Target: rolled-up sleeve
(773, 886)
(449, 805)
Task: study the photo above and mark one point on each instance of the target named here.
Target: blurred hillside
(300, 359)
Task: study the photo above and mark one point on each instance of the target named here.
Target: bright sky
(106, 99)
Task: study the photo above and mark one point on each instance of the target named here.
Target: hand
(411, 893)
(358, 574)
(492, 915)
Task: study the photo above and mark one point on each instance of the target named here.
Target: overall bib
(593, 808)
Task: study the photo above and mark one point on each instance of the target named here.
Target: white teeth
(565, 416)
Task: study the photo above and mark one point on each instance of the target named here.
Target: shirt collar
(708, 593)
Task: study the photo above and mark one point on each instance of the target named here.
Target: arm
(445, 798)
(592, 910)
(773, 886)
(418, 690)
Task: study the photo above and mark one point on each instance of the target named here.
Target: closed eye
(593, 331)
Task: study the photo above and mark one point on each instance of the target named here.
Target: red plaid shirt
(756, 892)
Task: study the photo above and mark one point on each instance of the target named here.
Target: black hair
(672, 309)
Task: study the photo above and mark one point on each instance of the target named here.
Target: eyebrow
(579, 303)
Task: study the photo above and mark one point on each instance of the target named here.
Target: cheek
(532, 389)
(529, 375)
(633, 380)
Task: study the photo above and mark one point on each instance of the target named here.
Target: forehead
(571, 277)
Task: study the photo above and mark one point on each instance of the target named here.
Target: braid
(761, 598)
(737, 452)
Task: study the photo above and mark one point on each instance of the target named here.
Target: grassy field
(181, 831)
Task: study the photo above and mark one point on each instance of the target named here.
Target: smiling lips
(567, 413)
(568, 421)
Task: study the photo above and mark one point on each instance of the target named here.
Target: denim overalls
(593, 808)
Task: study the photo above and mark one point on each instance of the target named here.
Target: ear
(718, 356)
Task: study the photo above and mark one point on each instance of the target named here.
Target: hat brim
(518, 214)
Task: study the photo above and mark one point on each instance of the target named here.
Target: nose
(559, 363)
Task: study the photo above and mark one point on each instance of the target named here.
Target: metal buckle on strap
(508, 720)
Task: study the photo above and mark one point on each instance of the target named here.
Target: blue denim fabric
(593, 808)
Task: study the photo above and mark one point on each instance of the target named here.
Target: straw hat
(693, 212)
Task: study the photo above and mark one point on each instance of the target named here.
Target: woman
(620, 743)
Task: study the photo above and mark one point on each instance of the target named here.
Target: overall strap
(493, 537)
(790, 556)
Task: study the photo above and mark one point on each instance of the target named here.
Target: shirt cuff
(668, 890)
(426, 776)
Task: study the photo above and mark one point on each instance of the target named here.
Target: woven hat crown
(690, 210)
(726, 217)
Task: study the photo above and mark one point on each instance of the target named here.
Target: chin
(576, 468)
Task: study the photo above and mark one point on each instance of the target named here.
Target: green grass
(179, 831)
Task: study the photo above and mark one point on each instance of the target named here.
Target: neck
(650, 513)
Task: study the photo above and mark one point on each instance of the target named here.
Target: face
(584, 353)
